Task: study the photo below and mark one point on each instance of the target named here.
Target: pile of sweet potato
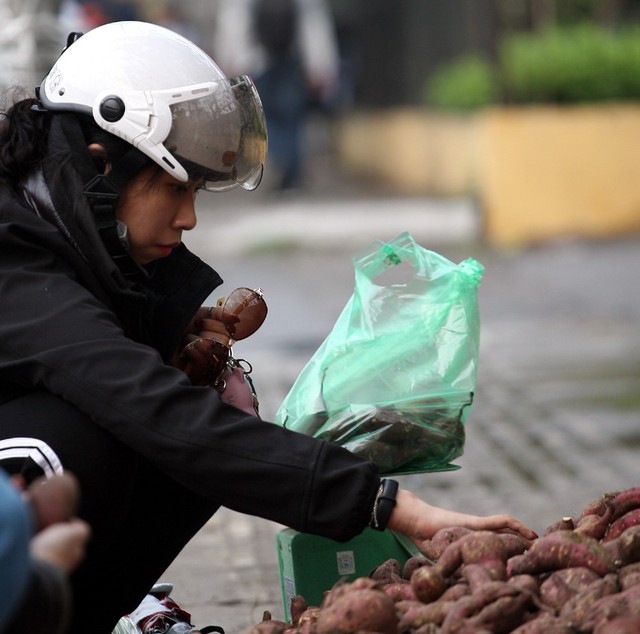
(581, 575)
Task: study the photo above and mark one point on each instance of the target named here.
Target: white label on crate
(346, 562)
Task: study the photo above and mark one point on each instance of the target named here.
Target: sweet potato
(422, 614)
(561, 585)
(474, 547)
(575, 610)
(455, 591)
(412, 563)
(565, 524)
(625, 501)
(500, 616)
(268, 627)
(514, 544)
(308, 618)
(599, 505)
(400, 591)
(607, 608)
(620, 625)
(358, 610)
(563, 549)
(527, 583)
(343, 587)
(629, 576)
(482, 547)
(477, 575)
(441, 539)
(389, 571)
(544, 623)
(625, 549)
(467, 607)
(619, 526)
(297, 607)
(595, 525)
(428, 583)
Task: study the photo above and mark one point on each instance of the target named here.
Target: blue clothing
(15, 533)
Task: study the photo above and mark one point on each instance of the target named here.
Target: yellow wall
(539, 173)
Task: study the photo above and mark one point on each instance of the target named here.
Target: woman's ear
(99, 158)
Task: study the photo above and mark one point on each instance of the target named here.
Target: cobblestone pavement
(555, 418)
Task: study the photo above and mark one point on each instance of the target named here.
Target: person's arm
(419, 521)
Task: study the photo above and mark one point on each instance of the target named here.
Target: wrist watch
(383, 504)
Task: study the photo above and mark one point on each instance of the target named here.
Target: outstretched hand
(419, 521)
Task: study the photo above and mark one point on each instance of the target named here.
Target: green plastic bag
(394, 380)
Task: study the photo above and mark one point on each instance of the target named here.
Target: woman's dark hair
(23, 140)
(24, 134)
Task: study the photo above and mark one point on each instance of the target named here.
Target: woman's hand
(419, 521)
(208, 325)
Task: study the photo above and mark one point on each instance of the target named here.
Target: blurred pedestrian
(289, 48)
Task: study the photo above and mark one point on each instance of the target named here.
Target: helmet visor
(219, 135)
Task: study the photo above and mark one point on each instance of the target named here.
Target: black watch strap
(383, 504)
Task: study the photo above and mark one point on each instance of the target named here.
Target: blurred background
(504, 130)
(528, 107)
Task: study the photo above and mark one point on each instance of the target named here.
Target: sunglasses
(205, 360)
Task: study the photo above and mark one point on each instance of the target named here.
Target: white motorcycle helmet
(165, 96)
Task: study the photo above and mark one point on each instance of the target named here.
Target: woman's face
(156, 208)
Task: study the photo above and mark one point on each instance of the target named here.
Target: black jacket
(71, 325)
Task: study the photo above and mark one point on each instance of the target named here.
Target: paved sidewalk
(555, 420)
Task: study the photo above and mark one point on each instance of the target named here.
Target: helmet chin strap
(102, 193)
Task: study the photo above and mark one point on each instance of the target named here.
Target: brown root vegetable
(268, 627)
(441, 539)
(625, 501)
(619, 526)
(412, 564)
(482, 547)
(477, 575)
(454, 592)
(629, 576)
(575, 610)
(563, 549)
(342, 587)
(561, 585)
(400, 591)
(358, 610)
(599, 505)
(595, 525)
(388, 572)
(308, 618)
(625, 549)
(620, 625)
(565, 524)
(474, 547)
(514, 544)
(469, 606)
(502, 615)
(544, 623)
(422, 614)
(297, 607)
(526, 583)
(428, 583)
(607, 608)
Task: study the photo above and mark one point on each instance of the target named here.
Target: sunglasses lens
(243, 312)
(204, 360)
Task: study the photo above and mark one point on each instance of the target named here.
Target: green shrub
(573, 64)
(465, 84)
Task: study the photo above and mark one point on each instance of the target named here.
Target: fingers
(53, 499)
(62, 544)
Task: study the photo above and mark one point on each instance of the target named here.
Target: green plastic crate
(310, 565)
